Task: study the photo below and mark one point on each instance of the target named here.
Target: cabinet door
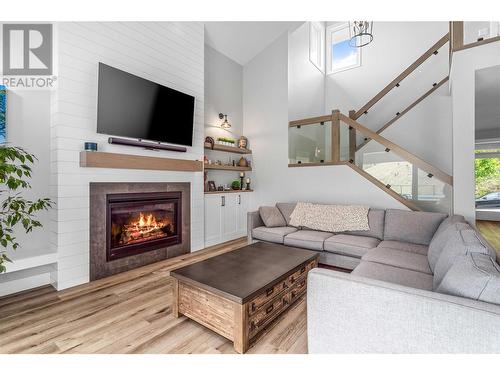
(230, 217)
(213, 219)
(244, 203)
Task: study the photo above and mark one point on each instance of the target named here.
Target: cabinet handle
(269, 291)
(223, 201)
(239, 199)
(269, 309)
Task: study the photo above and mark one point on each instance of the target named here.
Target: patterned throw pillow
(330, 217)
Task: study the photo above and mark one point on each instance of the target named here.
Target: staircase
(340, 139)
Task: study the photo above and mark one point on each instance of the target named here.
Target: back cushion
(460, 244)
(286, 210)
(272, 217)
(376, 223)
(475, 276)
(443, 234)
(409, 226)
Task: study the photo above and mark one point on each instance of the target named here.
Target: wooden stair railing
(396, 81)
(398, 150)
(406, 110)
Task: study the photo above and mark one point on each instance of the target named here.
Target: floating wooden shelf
(228, 191)
(127, 161)
(235, 150)
(226, 167)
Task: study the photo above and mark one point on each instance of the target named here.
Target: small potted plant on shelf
(235, 185)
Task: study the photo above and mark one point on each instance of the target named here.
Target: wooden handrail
(408, 156)
(310, 121)
(441, 42)
(406, 110)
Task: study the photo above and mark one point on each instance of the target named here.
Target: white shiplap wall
(170, 53)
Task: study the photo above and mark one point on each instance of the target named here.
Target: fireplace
(141, 222)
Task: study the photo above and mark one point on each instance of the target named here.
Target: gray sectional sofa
(421, 282)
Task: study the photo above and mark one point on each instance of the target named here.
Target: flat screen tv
(133, 107)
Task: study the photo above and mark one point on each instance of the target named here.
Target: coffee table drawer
(267, 296)
(298, 289)
(267, 312)
(301, 272)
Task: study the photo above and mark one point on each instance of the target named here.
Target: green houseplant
(235, 185)
(16, 211)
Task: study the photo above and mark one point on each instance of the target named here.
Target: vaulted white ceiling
(242, 41)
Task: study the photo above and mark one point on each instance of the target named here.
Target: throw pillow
(272, 217)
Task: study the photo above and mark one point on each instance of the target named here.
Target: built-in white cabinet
(225, 217)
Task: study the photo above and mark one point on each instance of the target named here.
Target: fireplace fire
(142, 222)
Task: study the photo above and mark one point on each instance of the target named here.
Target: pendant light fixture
(361, 33)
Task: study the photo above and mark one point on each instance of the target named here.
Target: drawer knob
(270, 291)
(253, 306)
(303, 269)
(269, 309)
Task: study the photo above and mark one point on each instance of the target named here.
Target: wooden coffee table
(239, 293)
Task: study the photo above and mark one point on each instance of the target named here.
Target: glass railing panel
(431, 194)
(415, 185)
(310, 143)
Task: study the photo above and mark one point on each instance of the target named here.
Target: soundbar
(148, 145)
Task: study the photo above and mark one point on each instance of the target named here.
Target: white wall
(223, 94)
(170, 53)
(464, 66)
(306, 83)
(265, 117)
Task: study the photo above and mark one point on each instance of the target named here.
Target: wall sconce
(224, 124)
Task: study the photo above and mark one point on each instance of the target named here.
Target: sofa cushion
(398, 258)
(450, 220)
(275, 234)
(376, 224)
(307, 239)
(400, 276)
(409, 226)
(272, 217)
(286, 210)
(405, 246)
(440, 239)
(347, 244)
(475, 276)
(461, 243)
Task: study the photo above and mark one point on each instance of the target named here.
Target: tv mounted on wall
(134, 107)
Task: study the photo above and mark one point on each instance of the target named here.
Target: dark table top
(242, 274)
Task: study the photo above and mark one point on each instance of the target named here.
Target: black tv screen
(130, 106)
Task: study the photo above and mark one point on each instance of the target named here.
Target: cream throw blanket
(330, 217)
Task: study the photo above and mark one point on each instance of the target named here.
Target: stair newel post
(352, 138)
(335, 136)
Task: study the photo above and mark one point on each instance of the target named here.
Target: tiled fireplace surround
(99, 266)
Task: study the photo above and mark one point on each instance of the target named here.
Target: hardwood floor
(491, 231)
(128, 313)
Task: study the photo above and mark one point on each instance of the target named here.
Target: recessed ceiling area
(487, 103)
(242, 41)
